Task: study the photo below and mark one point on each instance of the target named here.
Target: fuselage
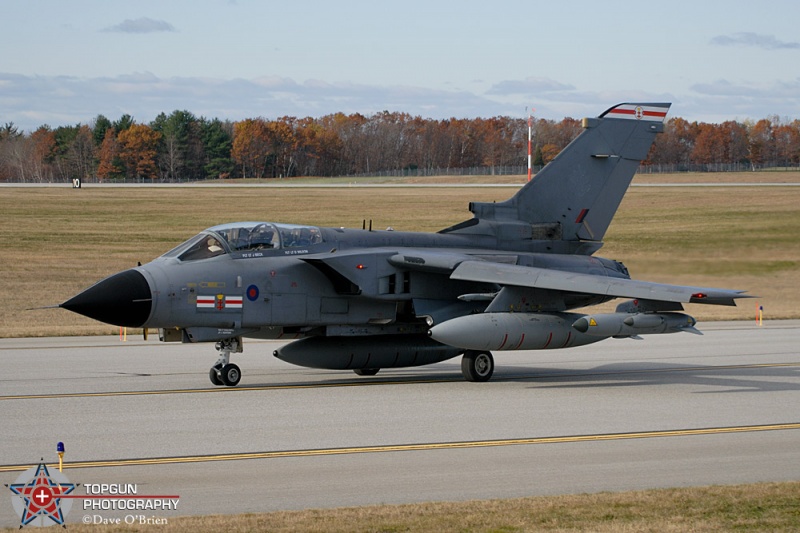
(267, 279)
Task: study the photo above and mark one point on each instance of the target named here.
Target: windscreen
(243, 237)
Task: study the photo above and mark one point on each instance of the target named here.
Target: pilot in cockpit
(261, 237)
(305, 237)
(214, 246)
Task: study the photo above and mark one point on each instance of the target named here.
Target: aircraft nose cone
(123, 299)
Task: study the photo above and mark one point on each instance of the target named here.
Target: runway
(671, 410)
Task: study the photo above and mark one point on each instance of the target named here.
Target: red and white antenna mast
(529, 141)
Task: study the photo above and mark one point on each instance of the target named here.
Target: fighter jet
(360, 299)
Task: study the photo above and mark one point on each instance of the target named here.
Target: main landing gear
(477, 365)
(224, 372)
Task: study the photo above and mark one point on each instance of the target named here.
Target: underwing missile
(629, 325)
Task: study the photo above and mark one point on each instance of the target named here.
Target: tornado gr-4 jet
(363, 300)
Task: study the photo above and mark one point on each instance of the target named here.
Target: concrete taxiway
(671, 410)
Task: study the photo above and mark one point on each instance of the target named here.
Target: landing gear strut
(477, 365)
(224, 372)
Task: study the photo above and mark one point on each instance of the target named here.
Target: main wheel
(477, 366)
(230, 375)
(366, 371)
(213, 375)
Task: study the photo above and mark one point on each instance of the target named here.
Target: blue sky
(64, 62)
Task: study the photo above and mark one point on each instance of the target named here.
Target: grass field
(758, 507)
(60, 240)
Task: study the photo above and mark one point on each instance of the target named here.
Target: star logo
(38, 496)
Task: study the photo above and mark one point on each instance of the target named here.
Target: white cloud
(723, 100)
(30, 101)
(529, 86)
(141, 25)
(785, 91)
(756, 40)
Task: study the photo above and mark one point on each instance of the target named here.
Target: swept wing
(540, 278)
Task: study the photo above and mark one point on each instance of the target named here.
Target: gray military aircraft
(365, 300)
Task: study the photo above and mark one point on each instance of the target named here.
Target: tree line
(183, 147)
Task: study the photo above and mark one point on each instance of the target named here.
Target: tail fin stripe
(638, 112)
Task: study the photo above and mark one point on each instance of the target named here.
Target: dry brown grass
(764, 176)
(60, 240)
(757, 507)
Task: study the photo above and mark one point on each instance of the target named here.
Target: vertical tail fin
(581, 189)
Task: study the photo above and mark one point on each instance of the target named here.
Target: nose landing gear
(224, 372)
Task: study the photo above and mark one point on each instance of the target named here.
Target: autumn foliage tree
(318, 151)
(251, 147)
(761, 142)
(180, 146)
(283, 147)
(110, 165)
(676, 144)
(43, 147)
(786, 138)
(138, 150)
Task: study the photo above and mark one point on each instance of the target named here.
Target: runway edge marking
(418, 447)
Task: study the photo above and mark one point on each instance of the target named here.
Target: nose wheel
(228, 375)
(224, 372)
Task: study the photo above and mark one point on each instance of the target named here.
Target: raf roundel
(252, 293)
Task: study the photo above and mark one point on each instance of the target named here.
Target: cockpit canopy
(241, 237)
